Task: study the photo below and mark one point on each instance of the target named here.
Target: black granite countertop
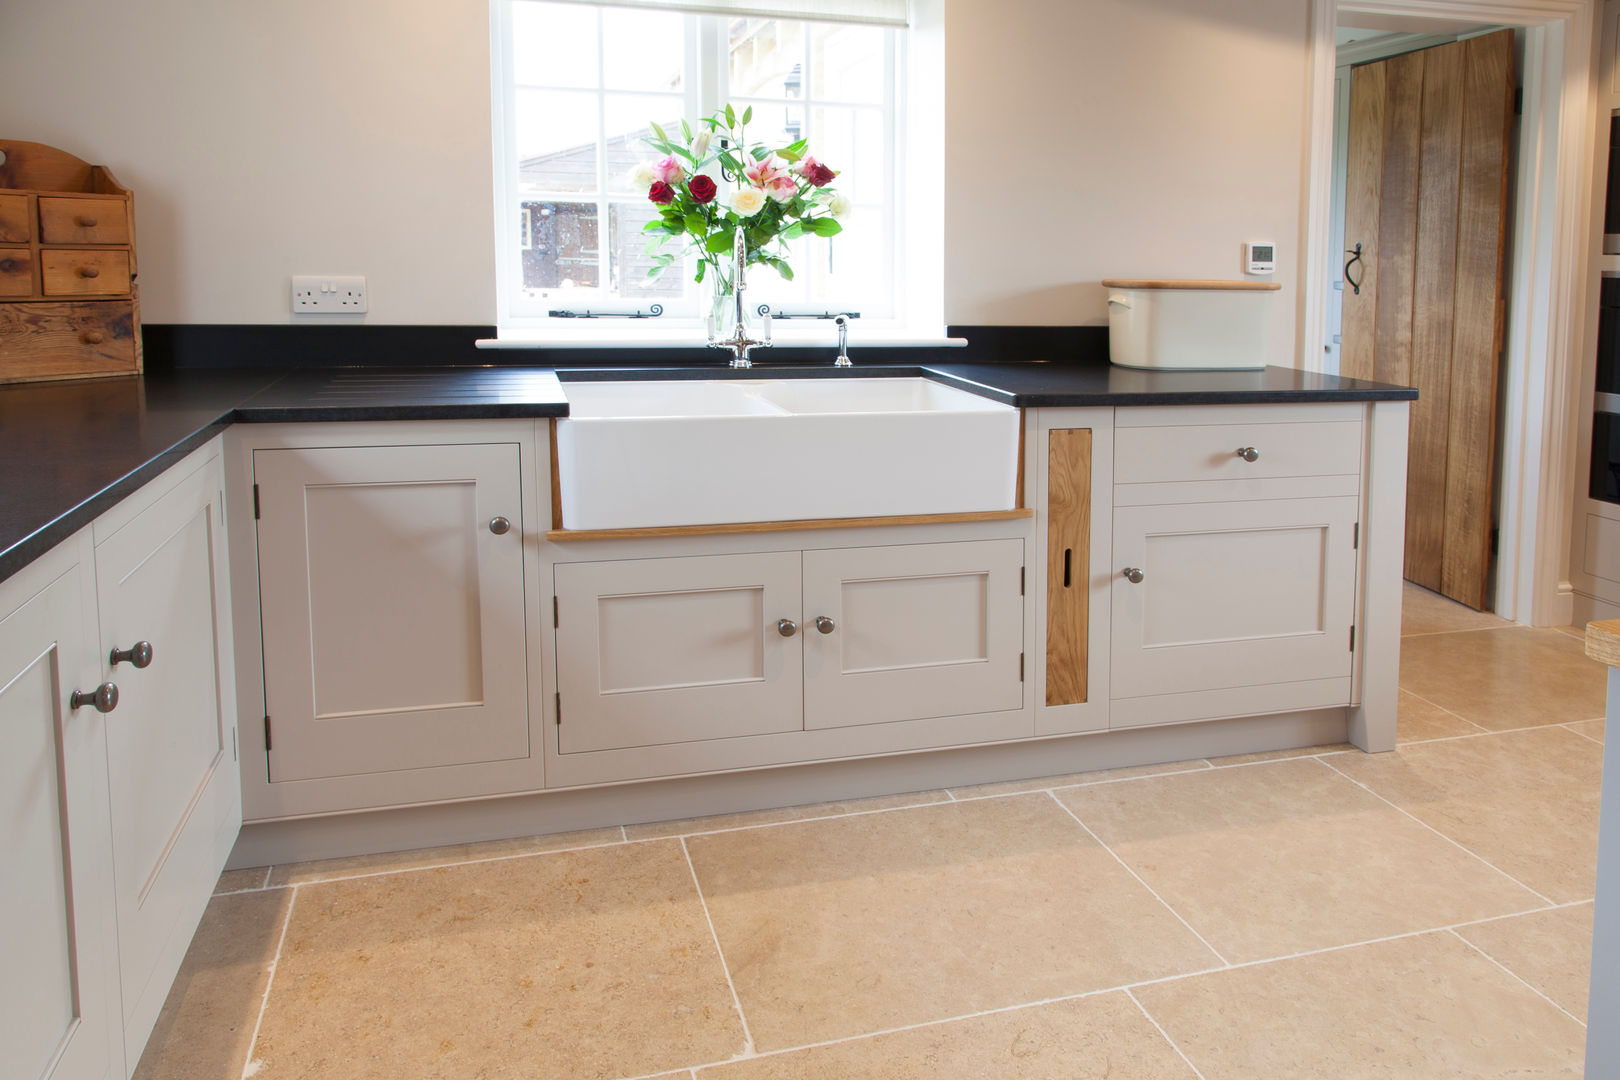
(69, 451)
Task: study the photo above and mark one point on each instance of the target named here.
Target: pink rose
(702, 189)
(668, 170)
(661, 193)
(781, 188)
(815, 172)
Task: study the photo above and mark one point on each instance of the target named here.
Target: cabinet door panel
(58, 1009)
(1232, 594)
(172, 780)
(657, 651)
(917, 631)
(393, 615)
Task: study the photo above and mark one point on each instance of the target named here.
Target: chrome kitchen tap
(842, 322)
(739, 342)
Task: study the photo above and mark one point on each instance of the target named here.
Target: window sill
(539, 339)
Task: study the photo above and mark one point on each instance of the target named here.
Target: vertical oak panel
(1366, 167)
(1397, 218)
(1068, 558)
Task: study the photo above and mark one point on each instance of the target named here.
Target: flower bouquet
(779, 193)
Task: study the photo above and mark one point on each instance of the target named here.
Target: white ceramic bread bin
(1188, 325)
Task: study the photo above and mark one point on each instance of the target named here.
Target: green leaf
(793, 231)
(675, 227)
(686, 129)
(696, 224)
(701, 267)
(654, 226)
(731, 118)
(658, 131)
(719, 243)
(783, 268)
(761, 153)
(748, 114)
(825, 226)
(788, 154)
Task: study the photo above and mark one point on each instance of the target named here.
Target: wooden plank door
(1427, 202)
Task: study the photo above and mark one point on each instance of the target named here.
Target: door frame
(1546, 329)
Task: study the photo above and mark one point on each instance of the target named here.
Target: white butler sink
(640, 454)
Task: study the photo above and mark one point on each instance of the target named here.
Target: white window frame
(706, 83)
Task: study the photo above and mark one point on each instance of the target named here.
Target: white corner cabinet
(124, 802)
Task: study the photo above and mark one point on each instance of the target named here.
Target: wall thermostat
(1259, 257)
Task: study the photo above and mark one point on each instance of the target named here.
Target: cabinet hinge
(255, 502)
(1020, 667)
(1021, 571)
(267, 743)
(1355, 536)
(554, 616)
(559, 709)
(1352, 639)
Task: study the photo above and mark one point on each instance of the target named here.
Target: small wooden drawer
(72, 272)
(53, 341)
(16, 272)
(83, 221)
(1327, 446)
(13, 219)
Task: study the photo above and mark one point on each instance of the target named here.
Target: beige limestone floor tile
(1091, 1038)
(1526, 801)
(207, 1020)
(1572, 631)
(330, 869)
(1280, 755)
(1550, 950)
(854, 925)
(1426, 1007)
(653, 829)
(1502, 679)
(1592, 729)
(237, 880)
(1425, 612)
(1418, 721)
(1098, 776)
(596, 962)
(1286, 856)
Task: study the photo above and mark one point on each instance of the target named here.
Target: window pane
(767, 58)
(850, 142)
(553, 44)
(846, 62)
(627, 125)
(647, 50)
(556, 140)
(852, 265)
(630, 260)
(562, 252)
(777, 125)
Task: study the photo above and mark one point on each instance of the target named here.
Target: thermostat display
(1260, 258)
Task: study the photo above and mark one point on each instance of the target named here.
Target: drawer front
(13, 219)
(1149, 455)
(84, 273)
(83, 221)
(46, 341)
(16, 272)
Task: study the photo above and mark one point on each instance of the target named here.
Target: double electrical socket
(328, 295)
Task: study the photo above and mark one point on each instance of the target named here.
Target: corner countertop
(71, 450)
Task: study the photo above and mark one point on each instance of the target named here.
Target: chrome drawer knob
(1133, 575)
(500, 526)
(138, 655)
(825, 625)
(1248, 453)
(103, 699)
(786, 627)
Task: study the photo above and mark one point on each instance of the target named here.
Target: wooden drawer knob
(92, 337)
(85, 221)
(89, 271)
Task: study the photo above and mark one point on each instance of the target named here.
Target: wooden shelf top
(1603, 641)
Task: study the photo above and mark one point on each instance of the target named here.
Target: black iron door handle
(1355, 257)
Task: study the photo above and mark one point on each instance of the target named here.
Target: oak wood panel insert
(1068, 561)
(566, 535)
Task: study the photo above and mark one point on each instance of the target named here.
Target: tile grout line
(1548, 901)
(1165, 1034)
(448, 865)
(720, 954)
(249, 1067)
(1225, 963)
(265, 884)
(1519, 978)
(1081, 783)
(1582, 734)
(1399, 690)
(1469, 630)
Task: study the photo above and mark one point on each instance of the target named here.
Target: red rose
(815, 172)
(661, 193)
(701, 187)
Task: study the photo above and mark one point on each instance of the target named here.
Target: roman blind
(871, 12)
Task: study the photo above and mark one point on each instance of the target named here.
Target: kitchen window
(577, 85)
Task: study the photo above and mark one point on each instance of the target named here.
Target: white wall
(1084, 139)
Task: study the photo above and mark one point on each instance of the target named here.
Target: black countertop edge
(301, 414)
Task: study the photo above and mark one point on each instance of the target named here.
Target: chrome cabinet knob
(1248, 453)
(825, 625)
(786, 627)
(138, 655)
(103, 699)
(1133, 575)
(499, 526)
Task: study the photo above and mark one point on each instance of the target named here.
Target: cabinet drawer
(71, 272)
(42, 341)
(13, 219)
(83, 221)
(1149, 455)
(16, 272)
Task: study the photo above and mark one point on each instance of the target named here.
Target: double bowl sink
(640, 454)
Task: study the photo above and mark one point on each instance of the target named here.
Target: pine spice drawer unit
(69, 303)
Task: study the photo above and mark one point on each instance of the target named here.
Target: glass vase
(723, 313)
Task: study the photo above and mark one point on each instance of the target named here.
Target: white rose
(748, 201)
(838, 205)
(641, 176)
(700, 145)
